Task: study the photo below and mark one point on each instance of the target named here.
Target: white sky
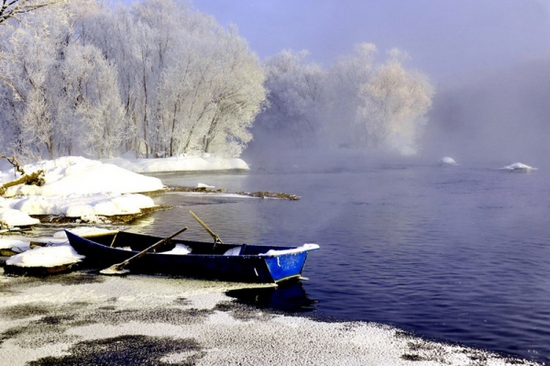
(443, 37)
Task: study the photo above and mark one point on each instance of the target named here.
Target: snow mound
(74, 205)
(78, 188)
(12, 218)
(46, 257)
(15, 245)
(518, 167)
(83, 176)
(205, 186)
(447, 161)
(180, 163)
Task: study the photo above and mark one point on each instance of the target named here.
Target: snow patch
(303, 248)
(46, 257)
(518, 167)
(447, 161)
(80, 187)
(180, 163)
(15, 245)
(233, 251)
(205, 186)
(12, 218)
(179, 249)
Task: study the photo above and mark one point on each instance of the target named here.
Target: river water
(454, 253)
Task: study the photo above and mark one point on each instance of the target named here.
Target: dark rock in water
(259, 194)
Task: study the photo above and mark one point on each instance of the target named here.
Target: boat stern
(287, 264)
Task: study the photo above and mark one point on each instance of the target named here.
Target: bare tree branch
(11, 9)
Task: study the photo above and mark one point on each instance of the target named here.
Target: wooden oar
(217, 239)
(118, 269)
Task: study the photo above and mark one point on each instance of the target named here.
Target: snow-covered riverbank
(86, 319)
(81, 188)
(88, 191)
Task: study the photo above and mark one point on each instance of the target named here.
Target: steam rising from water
(502, 117)
(493, 120)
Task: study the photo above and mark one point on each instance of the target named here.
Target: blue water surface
(454, 253)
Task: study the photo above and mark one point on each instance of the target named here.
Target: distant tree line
(161, 79)
(357, 103)
(155, 79)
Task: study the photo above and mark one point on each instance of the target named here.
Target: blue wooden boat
(227, 262)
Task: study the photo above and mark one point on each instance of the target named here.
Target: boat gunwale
(202, 255)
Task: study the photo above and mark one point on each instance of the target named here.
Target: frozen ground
(84, 319)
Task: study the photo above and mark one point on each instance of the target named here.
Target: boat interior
(139, 242)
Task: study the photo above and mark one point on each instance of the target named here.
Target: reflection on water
(234, 223)
(287, 297)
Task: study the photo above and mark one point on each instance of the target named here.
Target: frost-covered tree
(33, 72)
(14, 9)
(237, 94)
(91, 88)
(393, 105)
(356, 103)
(375, 105)
(296, 93)
(159, 78)
(344, 82)
(188, 85)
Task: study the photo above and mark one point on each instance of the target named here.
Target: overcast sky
(444, 38)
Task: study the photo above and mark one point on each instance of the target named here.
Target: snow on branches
(159, 79)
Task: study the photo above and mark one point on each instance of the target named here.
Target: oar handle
(213, 234)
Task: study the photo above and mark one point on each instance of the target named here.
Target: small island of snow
(447, 161)
(518, 167)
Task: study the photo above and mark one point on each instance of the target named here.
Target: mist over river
(454, 253)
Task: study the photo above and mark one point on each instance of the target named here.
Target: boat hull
(209, 262)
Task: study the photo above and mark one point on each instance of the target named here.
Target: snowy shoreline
(76, 318)
(84, 189)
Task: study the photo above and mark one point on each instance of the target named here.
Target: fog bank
(499, 115)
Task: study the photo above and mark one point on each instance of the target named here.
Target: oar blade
(114, 270)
